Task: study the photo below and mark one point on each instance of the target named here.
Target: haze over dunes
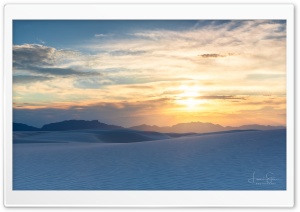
(131, 73)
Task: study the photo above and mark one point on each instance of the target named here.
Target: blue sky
(150, 72)
(65, 34)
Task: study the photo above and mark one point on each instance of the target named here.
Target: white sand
(93, 160)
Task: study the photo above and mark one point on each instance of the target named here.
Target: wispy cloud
(41, 41)
(29, 79)
(61, 71)
(263, 76)
(212, 55)
(102, 35)
(215, 55)
(92, 83)
(222, 97)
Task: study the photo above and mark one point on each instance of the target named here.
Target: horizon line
(152, 125)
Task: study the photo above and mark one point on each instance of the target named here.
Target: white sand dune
(130, 160)
(87, 136)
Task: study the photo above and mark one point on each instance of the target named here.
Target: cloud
(264, 76)
(276, 37)
(92, 83)
(277, 102)
(33, 54)
(29, 79)
(102, 35)
(127, 52)
(222, 97)
(45, 60)
(36, 55)
(41, 41)
(61, 71)
(139, 86)
(176, 51)
(212, 55)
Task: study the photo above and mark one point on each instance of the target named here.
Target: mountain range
(66, 125)
(193, 127)
(78, 125)
(200, 127)
(24, 127)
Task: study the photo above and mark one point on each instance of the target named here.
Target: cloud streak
(215, 55)
(102, 35)
(21, 79)
(222, 97)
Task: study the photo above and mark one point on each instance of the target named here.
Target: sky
(156, 72)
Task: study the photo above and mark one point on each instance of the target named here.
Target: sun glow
(189, 97)
(189, 91)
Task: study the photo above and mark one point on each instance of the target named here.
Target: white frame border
(146, 198)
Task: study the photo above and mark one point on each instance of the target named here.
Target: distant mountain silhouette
(200, 127)
(193, 127)
(23, 127)
(77, 125)
(260, 127)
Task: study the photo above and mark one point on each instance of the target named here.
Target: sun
(189, 97)
(190, 103)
